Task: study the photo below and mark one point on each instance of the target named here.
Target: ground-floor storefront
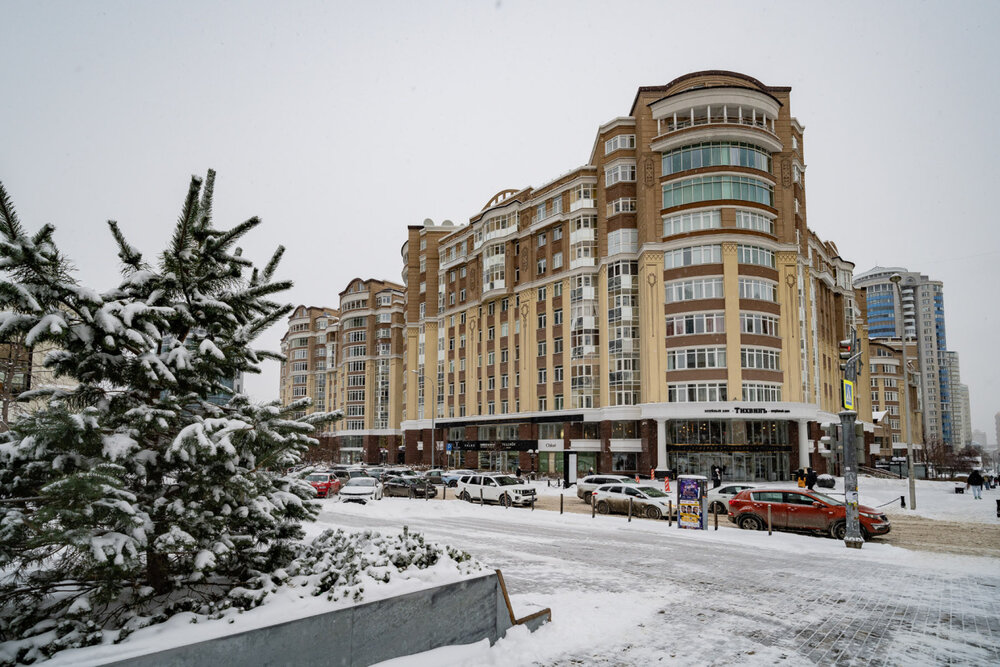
(748, 442)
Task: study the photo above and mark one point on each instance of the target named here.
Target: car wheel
(505, 500)
(654, 513)
(464, 495)
(452, 484)
(751, 523)
(586, 496)
(603, 507)
(838, 530)
(717, 508)
(865, 535)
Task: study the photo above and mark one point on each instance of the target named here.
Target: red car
(800, 510)
(325, 483)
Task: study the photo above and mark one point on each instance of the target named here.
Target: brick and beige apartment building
(350, 359)
(663, 306)
(889, 402)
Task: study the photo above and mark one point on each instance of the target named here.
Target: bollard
(902, 502)
(670, 513)
(716, 520)
(560, 503)
(444, 492)
(532, 503)
(427, 491)
(769, 519)
(484, 504)
(593, 506)
(630, 509)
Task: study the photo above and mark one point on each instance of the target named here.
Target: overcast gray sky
(342, 123)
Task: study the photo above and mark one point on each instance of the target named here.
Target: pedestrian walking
(975, 482)
(716, 476)
(518, 472)
(810, 478)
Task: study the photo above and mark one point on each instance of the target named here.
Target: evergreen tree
(132, 490)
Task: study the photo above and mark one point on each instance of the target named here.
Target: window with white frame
(691, 222)
(693, 255)
(759, 324)
(696, 357)
(749, 254)
(619, 173)
(699, 288)
(619, 142)
(621, 205)
(696, 323)
(761, 290)
(557, 260)
(758, 222)
(623, 241)
(761, 392)
(760, 358)
(696, 392)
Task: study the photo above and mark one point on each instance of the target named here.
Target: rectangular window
(620, 173)
(693, 358)
(557, 317)
(700, 288)
(542, 375)
(761, 290)
(621, 205)
(691, 222)
(692, 256)
(759, 392)
(619, 142)
(760, 358)
(696, 392)
(749, 254)
(541, 348)
(557, 260)
(541, 320)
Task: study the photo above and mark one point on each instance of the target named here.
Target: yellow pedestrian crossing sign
(848, 395)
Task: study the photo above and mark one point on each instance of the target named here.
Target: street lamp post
(894, 279)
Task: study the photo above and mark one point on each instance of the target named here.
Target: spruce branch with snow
(133, 488)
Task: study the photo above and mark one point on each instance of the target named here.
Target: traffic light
(830, 437)
(859, 436)
(846, 352)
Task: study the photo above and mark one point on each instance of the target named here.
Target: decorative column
(661, 444)
(804, 444)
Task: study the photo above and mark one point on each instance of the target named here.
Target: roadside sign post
(850, 354)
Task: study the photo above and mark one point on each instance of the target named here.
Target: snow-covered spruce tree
(132, 495)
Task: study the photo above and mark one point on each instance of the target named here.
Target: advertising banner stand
(692, 504)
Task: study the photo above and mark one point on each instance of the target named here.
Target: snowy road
(637, 593)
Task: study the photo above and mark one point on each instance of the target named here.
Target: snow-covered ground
(640, 592)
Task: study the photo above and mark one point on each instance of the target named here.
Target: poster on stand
(691, 505)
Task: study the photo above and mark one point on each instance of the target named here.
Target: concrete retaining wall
(460, 613)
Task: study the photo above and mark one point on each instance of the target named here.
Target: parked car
(647, 501)
(800, 510)
(434, 476)
(325, 483)
(361, 490)
(408, 487)
(398, 472)
(452, 476)
(586, 486)
(718, 499)
(495, 488)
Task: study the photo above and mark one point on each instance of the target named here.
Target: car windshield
(506, 480)
(653, 492)
(627, 480)
(317, 478)
(361, 481)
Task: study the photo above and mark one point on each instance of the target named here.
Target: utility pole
(851, 355)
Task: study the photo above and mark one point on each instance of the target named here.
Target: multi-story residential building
(889, 402)
(663, 306)
(920, 317)
(351, 359)
(22, 368)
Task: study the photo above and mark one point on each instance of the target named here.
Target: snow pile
(337, 568)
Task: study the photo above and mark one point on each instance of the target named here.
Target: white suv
(495, 488)
(587, 485)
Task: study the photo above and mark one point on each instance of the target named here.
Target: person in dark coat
(810, 478)
(975, 482)
(716, 476)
